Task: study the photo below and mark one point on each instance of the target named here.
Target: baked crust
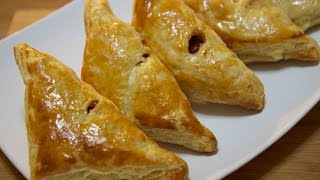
(121, 68)
(209, 72)
(75, 133)
(255, 30)
(304, 13)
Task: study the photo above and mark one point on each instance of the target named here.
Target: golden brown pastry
(75, 133)
(256, 32)
(205, 68)
(121, 68)
(304, 13)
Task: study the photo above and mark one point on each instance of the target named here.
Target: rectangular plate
(292, 89)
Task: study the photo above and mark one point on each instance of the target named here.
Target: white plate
(291, 88)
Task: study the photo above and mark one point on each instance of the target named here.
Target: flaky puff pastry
(304, 13)
(205, 68)
(75, 133)
(256, 32)
(121, 68)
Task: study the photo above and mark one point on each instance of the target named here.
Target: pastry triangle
(205, 68)
(304, 13)
(75, 133)
(256, 32)
(121, 68)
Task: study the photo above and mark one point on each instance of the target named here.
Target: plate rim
(39, 21)
(299, 113)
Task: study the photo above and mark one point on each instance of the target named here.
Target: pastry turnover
(75, 133)
(304, 13)
(256, 32)
(205, 68)
(121, 68)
